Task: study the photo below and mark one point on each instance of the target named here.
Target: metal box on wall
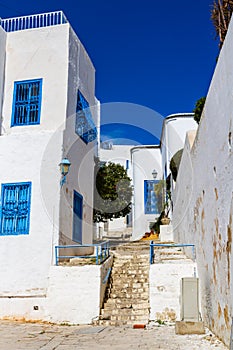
(190, 299)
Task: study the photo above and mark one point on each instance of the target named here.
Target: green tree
(221, 14)
(113, 192)
(198, 109)
(175, 163)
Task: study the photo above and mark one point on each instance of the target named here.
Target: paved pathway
(35, 336)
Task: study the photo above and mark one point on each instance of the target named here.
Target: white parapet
(166, 233)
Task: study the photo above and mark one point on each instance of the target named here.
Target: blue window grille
(150, 198)
(26, 102)
(77, 217)
(15, 208)
(84, 126)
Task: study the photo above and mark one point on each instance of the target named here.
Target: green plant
(198, 109)
(165, 206)
(175, 163)
(113, 192)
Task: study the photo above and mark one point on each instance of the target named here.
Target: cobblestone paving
(35, 336)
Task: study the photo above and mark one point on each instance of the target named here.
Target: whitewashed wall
(165, 280)
(2, 68)
(34, 54)
(173, 134)
(203, 199)
(75, 296)
(81, 75)
(32, 153)
(144, 161)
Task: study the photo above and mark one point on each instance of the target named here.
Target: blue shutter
(15, 209)
(77, 217)
(27, 102)
(84, 127)
(150, 199)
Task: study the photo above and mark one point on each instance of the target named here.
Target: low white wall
(75, 296)
(165, 288)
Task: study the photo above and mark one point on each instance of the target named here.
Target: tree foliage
(198, 109)
(113, 192)
(221, 15)
(175, 163)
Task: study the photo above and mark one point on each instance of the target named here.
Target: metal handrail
(33, 21)
(102, 252)
(171, 245)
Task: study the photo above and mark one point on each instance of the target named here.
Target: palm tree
(221, 15)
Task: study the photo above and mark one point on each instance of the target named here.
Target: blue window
(84, 126)
(15, 208)
(150, 199)
(26, 102)
(77, 217)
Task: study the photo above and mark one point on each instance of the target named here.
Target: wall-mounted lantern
(154, 174)
(64, 169)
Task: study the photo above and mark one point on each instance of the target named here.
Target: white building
(47, 81)
(147, 171)
(141, 162)
(173, 136)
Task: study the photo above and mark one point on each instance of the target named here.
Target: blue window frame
(150, 198)
(15, 208)
(26, 102)
(77, 217)
(84, 126)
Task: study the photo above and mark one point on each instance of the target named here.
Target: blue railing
(101, 252)
(33, 21)
(169, 245)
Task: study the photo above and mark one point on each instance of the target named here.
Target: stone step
(116, 293)
(118, 308)
(129, 317)
(126, 283)
(130, 284)
(128, 298)
(130, 272)
(128, 288)
(119, 323)
(109, 314)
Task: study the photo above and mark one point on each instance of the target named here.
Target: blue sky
(151, 53)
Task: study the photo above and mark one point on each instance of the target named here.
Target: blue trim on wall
(77, 217)
(84, 125)
(17, 210)
(150, 199)
(16, 84)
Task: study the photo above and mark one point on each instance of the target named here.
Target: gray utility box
(190, 299)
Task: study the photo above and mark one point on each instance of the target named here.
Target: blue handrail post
(151, 252)
(56, 255)
(97, 255)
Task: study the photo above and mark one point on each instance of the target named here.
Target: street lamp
(154, 174)
(64, 169)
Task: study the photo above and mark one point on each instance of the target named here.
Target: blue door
(77, 217)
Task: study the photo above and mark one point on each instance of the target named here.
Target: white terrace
(33, 21)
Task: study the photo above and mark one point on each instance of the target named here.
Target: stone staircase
(127, 296)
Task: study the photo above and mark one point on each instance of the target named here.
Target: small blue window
(150, 198)
(84, 127)
(26, 102)
(15, 208)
